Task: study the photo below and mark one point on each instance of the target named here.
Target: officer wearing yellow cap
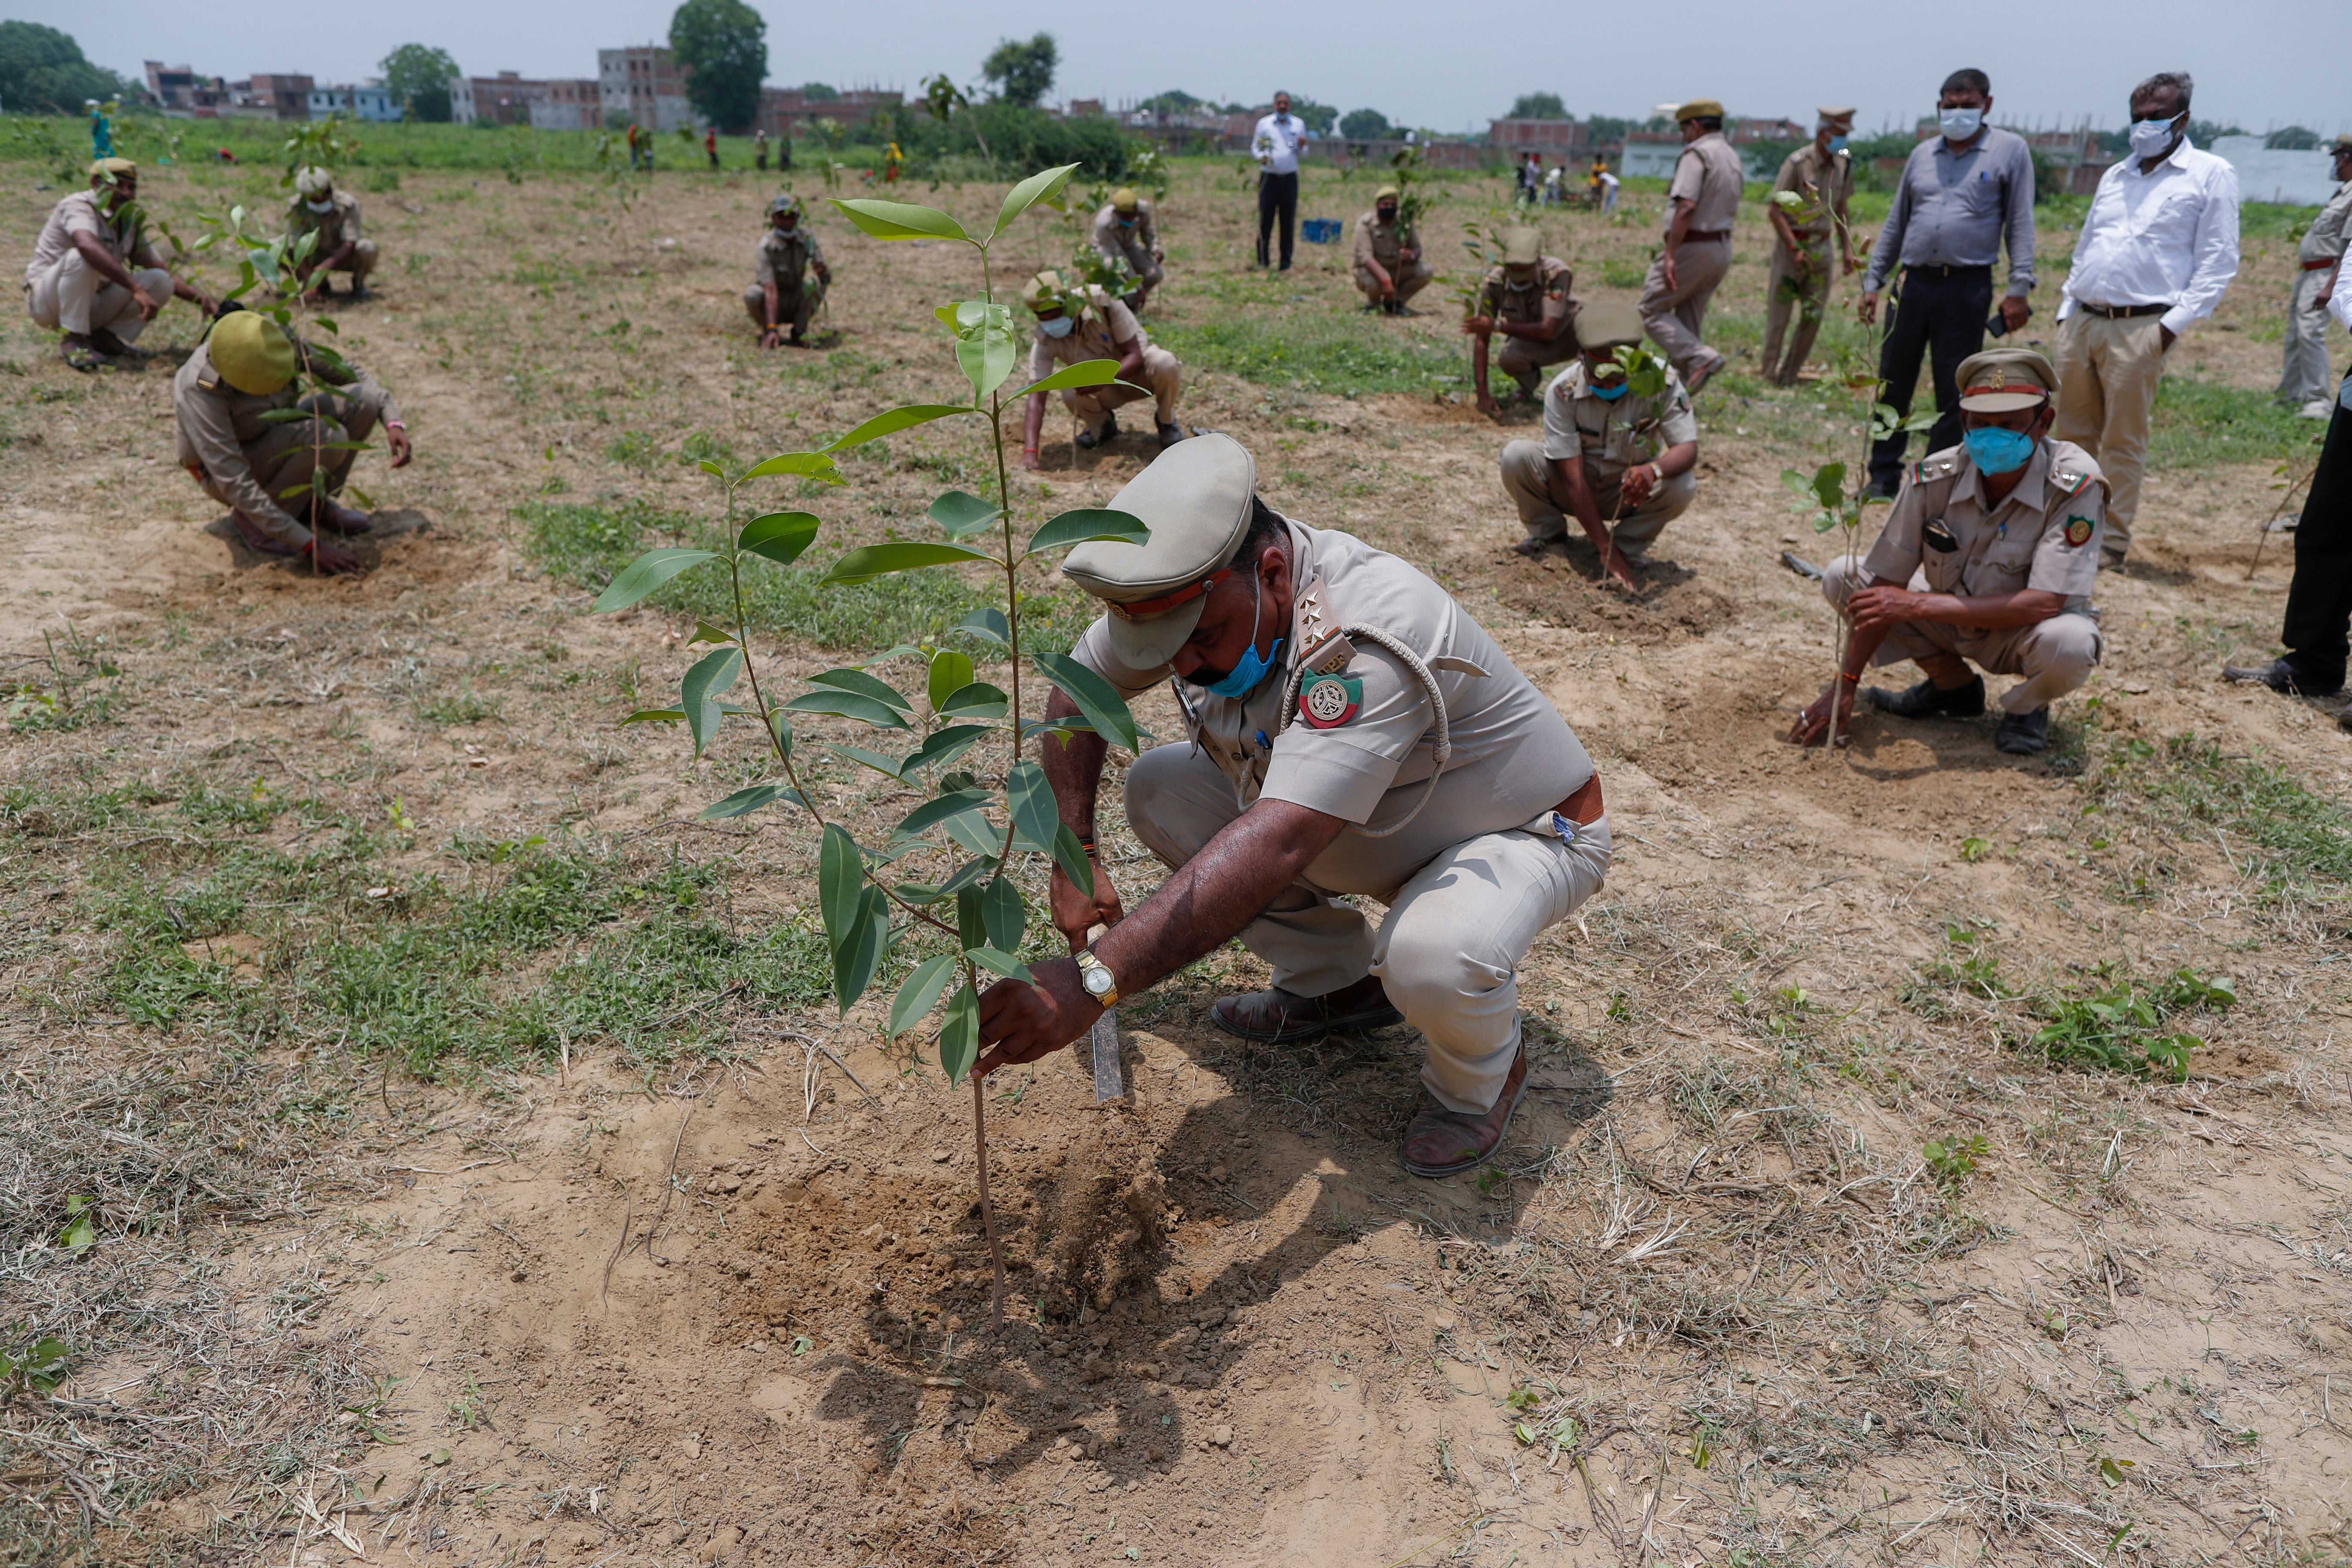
(1391, 266)
(1617, 461)
(1126, 235)
(1527, 301)
(1988, 558)
(1702, 204)
(781, 294)
(1350, 730)
(1075, 324)
(94, 277)
(279, 478)
(318, 208)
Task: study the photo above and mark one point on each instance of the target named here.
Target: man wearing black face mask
(1961, 192)
(1391, 267)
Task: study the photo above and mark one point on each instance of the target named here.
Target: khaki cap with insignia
(1699, 108)
(1522, 247)
(1195, 500)
(251, 353)
(115, 166)
(1832, 116)
(2003, 381)
(1385, 194)
(2341, 145)
(312, 182)
(1123, 199)
(1045, 291)
(1605, 324)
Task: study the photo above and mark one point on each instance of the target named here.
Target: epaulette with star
(2069, 481)
(1935, 465)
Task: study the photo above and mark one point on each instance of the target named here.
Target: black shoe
(2284, 678)
(1089, 439)
(1923, 702)
(2024, 735)
(1170, 434)
(2111, 560)
(361, 291)
(1879, 490)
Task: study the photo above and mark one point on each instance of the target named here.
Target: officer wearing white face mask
(334, 217)
(1961, 193)
(1077, 324)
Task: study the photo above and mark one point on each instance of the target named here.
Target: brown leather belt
(2323, 261)
(2122, 313)
(1584, 806)
(1707, 234)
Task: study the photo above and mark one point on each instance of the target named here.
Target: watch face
(1099, 981)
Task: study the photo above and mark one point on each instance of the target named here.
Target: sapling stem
(988, 1208)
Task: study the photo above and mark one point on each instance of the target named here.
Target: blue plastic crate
(1319, 230)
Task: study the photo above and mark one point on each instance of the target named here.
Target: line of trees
(42, 71)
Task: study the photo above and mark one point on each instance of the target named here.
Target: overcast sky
(1449, 65)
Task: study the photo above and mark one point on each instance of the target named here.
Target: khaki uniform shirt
(1105, 325)
(1513, 756)
(1708, 176)
(783, 259)
(2324, 240)
(1111, 239)
(2044, 537)
(218, 422)
(1378, 241)
(1543, 298)
(1613, 437)
(80, 213)
(1825, 181)
(334, 228)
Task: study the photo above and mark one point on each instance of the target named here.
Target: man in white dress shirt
(1275, 141)
(2158, 248)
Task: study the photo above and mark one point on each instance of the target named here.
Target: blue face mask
(1243, 677)
(1058, 327)
(1611, 393)
(1998, 451)
(1959, 124)
(1837, 143)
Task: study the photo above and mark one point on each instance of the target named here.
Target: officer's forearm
(101, 262)
(341, 261)
(1072, 771)
(768, 292)
(1130, 360)
(1785, 230)
(1678, 459)
(1991, 612)
(1680, 228)
(1033, 422)
(1209, 899)
(1478, 362)
(1581, 499)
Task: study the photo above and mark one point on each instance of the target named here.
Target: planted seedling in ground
(964, 838)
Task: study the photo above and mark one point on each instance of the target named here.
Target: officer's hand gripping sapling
(964, 838)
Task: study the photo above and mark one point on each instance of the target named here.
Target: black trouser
(2319, 599)
(1277, 194)
(1938, 313)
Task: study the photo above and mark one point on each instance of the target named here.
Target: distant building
(642, 83)
(268, 95)
(180, 93)
(509, 98)
(1083, 108)
(1563, 137)
(785, 111)
(369, 101)
(570, 103)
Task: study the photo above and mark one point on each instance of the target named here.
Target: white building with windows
(369, 101)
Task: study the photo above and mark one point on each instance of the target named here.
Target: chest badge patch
(1328, 701)
(2078, 531)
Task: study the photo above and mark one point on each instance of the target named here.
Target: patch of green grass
(2126, 1026)
(2296, 843)
(1316, 350)
(464, 707)
(2199, 422)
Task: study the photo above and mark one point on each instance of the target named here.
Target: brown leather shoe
(343, 519)
(1439, 1142)
(258, 541)
(1275, 1015)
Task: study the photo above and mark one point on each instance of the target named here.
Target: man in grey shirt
(1960, 193)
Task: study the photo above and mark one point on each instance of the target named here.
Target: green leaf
(704, 632)
(1040, 186)
(853, 965)
(874, 560)
(1031, 799)
(713, 470)
(970, 874)
(698, 693)
(1071, 856)
(921, 990)
(1001, 962)
(971, 929)
(986, 345)
(960, 1036)
(807, 465)
(972, 830)
(1829, 485)
(1086, 373)
(847, 705)
(978, 700)
(1095, 697)
(1088, 523)
(1002, 915)
(743, 801)
(780, 536)
(899, 419)
(943, 746)
(840, 883)
(888, 767)
(865, 685)
(656, 716)
(960, 513)
(988, 625)
(782, 728)
(950, 672)
(646, 574)
(899, 220)
(937, 810)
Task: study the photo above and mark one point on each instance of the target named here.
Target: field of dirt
(1800, 1251)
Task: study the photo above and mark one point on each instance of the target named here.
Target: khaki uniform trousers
(1140, 261)
(1534, 486)
(1459, 922)
(73, 297)
(1162, 373)
(362, 262)
(2055, 656)
(1410, 280)
(794, 308)
(1525, 361)
(2107, 372)
(286, 456)
(1803, 292)
(2307, 380)
(1675, 316)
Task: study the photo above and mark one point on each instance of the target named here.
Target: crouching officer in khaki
(1391, 266)
(1075, 325)
(94, 275)
(1988, 558)
(318, 208)
(1351, 731)
(1619, 462)
(279, 478)
(780, 294)
(1126, 234)
(1527, 299)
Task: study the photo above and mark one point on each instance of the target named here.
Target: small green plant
(30, 1365)
(2127, 1027)
(80, 1234)
(1952, 1160)
(1975, 849)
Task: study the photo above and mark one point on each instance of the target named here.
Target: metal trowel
(1109, 1084)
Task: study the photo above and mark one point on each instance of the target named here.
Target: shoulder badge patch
(2079, 530)
(1328, 701)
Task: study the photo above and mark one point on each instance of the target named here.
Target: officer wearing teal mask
(1813, 231)
(1988, 558)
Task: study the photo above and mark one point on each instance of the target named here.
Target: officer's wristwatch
(1095, 976)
